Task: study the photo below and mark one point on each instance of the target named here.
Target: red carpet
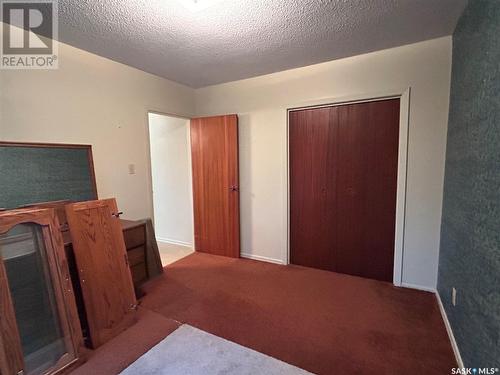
(120, 352)
(320, 321)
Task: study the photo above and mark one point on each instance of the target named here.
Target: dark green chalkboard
(34, 173)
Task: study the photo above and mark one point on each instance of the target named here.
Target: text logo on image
(29, 34)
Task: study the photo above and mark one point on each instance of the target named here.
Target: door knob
(234, 188)
(117, 214)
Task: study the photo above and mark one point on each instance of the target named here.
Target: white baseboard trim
(261, 258)
(450, 332)
(174, 242)
(418, 287)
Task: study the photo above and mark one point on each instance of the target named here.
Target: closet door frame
(11, 353)
(403, 95)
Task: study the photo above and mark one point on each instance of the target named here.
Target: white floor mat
(189, 350)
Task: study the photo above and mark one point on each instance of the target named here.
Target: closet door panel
(102, 263)
(313, 187)
(343, 184)
(368, 136)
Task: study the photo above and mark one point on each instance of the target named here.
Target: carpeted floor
(121, 351)
(320, 321)
(323, 322)
(191, 351)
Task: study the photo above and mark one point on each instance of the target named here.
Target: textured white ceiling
(224, 40)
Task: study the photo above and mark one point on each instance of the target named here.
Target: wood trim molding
(42, 144)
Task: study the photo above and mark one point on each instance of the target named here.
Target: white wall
(261, 104)
(172, 184)
(93, 100)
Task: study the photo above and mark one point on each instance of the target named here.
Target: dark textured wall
(41, 174)
(470, 232)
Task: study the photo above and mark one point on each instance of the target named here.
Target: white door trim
(404, 122)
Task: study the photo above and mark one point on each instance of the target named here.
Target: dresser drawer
(138, 273)
(136, 255)
(134, 237)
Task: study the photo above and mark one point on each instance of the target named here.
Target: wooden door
(103, 269)
(214, 150)
(39, 326)
(343, 183)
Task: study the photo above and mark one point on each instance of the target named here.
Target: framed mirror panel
(39, 326)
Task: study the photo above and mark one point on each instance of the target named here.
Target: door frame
(404, 122)
(150, 163)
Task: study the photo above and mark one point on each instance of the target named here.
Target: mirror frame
(11, 353)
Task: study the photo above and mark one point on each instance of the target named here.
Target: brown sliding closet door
(214, 150)
(343, 182)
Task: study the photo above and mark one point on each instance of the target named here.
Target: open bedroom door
(214, 153)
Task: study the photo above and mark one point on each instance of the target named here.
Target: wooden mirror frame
(11, 353)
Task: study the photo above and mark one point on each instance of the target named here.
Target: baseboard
(174, 242)
(450, 332)
(261, 258)
(418, 287)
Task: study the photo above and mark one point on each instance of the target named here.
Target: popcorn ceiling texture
(230, 40)
(470, 232)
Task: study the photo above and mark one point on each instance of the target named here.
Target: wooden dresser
(134, 234)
